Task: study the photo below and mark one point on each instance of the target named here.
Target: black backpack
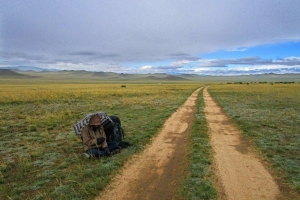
(113, 129)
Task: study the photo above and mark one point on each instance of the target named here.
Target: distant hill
(174, 78)
(82, 75)
(103, 74)
(151, 78)
(6, 73)
(190, 76)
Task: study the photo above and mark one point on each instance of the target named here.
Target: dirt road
(156, 172)
(240, 173)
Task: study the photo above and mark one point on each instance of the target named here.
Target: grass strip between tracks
(198, 183)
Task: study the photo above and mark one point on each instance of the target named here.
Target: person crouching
(94, 139)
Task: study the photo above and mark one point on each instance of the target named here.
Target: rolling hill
(6, 73)
(82, 75)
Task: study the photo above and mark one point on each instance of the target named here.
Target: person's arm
(104, 145)
(102, 134)
(86, 138)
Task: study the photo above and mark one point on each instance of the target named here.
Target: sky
(205, 37)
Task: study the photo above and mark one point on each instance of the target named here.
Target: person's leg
(124, 144)
(113, 145)
(96, 152)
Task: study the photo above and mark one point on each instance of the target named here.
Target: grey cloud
(21, 58)
(246, 61)
(168, 67)
(83, 53)
(288, 61)
(179, 55)
(140, 31)
(21, 55)
(183, 56)
(93, 54)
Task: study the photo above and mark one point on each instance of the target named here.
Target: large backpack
(113, 129)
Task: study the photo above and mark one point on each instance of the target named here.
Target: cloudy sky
(210, 37)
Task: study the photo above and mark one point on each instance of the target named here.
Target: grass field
(39, 151)
(269, 115)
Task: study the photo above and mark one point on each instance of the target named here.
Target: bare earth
(240, 174)
(156, 172)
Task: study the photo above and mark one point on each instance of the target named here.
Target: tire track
(240, 173)
(156, 172)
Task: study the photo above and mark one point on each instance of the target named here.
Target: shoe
(85, 155)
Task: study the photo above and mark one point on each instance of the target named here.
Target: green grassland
(269, 115)
(39, 151)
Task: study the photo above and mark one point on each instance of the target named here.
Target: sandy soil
(157, 171)
(241, 175)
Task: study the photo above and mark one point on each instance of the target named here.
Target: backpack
(113, 129)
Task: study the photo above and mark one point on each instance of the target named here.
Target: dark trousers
(99, 152)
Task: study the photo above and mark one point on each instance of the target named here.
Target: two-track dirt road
(157, 171)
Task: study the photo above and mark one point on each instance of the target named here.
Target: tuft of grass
(198, 183)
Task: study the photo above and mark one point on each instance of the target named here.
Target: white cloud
(201, 70)
(238, 49)
(147, 67)
(263, 67)
(180, 62)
